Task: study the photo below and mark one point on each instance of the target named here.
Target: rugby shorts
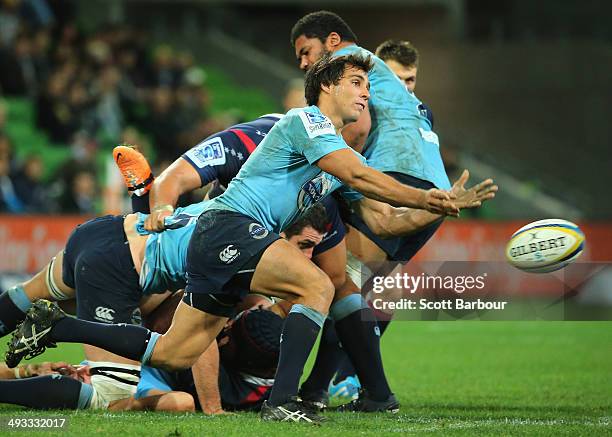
(98, 264)
(223, 252)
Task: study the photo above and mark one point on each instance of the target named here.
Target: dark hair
(254, 343)
(400, 51)
(319, 25)
(328, 71)
(315, 216)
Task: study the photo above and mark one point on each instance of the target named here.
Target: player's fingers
(451, 209)
(482, 185)
(439, 194)
(148, 225)
(464, 177)
(489, 190)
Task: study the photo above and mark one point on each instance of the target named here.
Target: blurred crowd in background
(91, 90)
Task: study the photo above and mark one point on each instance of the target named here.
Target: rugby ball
(545, 246)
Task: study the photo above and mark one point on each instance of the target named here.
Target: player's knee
(320, 293)
(184, 402)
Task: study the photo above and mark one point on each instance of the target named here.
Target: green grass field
(453, 378)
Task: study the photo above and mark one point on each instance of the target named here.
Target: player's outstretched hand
(440, 202)
(155, 221)
(474, 196)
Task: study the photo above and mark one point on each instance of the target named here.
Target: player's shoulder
(309, 121)
(263, 123)
(353, 49)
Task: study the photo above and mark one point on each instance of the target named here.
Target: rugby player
(104, 272)
(216, 159)
(403, 59)
(248, 347)
(237, 241)
(395, 139)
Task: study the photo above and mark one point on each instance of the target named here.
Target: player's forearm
(206, 378)
(6, 373)
(177, 179)
(378, 186)
(165, 191)
(387, 221)
(406, 221)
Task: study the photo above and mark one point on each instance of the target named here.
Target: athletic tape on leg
(54, 290)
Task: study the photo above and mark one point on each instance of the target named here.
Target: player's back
(400, 139)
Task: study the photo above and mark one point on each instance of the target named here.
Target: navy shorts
(98, 264)
(223, 252)
(400, 249)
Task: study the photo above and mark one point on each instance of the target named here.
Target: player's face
(352, 94)
(308, 51)
(408, 75)
(306, 240)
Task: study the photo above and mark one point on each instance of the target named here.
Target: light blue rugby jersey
(279, 181)
(401, 139)
(163, 267)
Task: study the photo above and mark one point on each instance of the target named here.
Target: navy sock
(360, 337)
(345, 369)
(140, 203)
(300, 332)
(129, 341)
(382, 325)
(329, 355)
(46, 392)
(13, 305)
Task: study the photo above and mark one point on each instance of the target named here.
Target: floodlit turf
(453, 378)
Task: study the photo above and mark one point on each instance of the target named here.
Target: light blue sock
(85, 396)
(346, 306)
(20, 299)
(146, 357)
(311, 313)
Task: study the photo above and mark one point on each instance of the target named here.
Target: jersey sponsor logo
(104, 314)
(422, 110)
(314, 190)
(209, 152)
(229, 254)
(257, 231)
(429, 136)
(316, 124)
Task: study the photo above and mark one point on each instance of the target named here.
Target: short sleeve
(314, 135)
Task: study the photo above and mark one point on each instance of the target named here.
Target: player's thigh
(283, 271)
(333, 263)
(190, 334)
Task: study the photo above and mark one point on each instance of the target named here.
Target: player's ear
(332, 41)
(326, 88)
